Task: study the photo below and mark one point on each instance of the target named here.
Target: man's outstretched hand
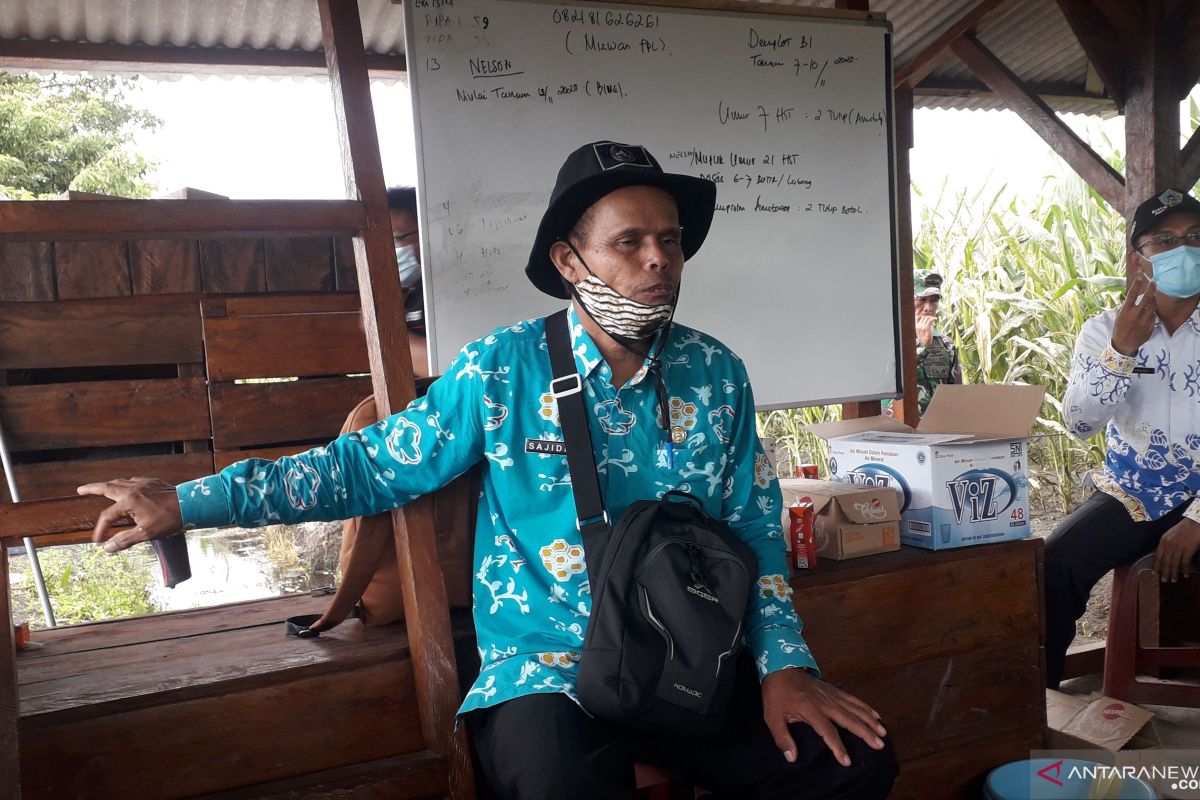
(793, 695)
(150, 503)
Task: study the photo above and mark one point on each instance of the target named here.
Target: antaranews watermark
(1080, 773)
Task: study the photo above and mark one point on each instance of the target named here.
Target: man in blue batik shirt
(669, 408)
(1136, 376)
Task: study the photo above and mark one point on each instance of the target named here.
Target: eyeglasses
(1167, 241)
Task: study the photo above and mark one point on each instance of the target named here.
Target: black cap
(1158, 208)
(597, 169)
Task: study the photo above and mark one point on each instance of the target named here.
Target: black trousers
(544, 747)
(1097, 537)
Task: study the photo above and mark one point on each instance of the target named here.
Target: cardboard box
(962, 475)
(1110, 731)
(850, 521)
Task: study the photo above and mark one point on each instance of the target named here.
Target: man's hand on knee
(794, 695)
(1176, 550)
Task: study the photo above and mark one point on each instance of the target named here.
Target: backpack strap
(567, 389)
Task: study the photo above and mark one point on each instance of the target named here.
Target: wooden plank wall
(94, 389)
(316, 339)
(77, 270)
(111, 381)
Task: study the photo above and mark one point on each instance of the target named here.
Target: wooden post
(905, 410)
(1151, 110)
(10, 761)
(426, 610)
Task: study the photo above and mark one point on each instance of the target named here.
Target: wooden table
(947, 646)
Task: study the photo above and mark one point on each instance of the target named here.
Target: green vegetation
(1020, 282)
(85, 584)
(60, 132)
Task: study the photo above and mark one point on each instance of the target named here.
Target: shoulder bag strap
(567, 388)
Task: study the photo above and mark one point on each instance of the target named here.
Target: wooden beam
(37, 518)
(906, 409)
(938, 51)
(853, 5)
(1189, 161)
(1122, 15)
(1105, 45)
(1187, 33)
(140, 58)
(176, 219)
(1152, 157)
(427, 614)
(10, 759)
(1107, 182)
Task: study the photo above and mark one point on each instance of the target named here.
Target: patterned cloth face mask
(621, 317)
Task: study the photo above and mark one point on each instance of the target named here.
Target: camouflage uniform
(937, 363)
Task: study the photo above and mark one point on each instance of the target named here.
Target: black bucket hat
(593, 171)
(1158, 208)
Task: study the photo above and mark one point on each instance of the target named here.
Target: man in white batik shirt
(668, 408)
(1135, 376)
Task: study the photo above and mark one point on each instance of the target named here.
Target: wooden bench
(215, 702)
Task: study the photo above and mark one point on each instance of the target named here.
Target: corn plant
(1020, 281)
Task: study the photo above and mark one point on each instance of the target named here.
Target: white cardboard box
(962, 476)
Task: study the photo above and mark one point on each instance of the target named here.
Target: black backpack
(670, 587)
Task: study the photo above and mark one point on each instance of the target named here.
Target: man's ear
(565, 261)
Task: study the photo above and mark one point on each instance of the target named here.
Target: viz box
(961, 477)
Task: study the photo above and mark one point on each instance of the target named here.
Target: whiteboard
(791, 116)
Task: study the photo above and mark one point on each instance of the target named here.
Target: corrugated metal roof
(256, 24)
(1030, 36)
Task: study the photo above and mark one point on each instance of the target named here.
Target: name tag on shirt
(1144, 370)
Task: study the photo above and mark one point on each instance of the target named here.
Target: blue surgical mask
(1177, 271)
(410, 267)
